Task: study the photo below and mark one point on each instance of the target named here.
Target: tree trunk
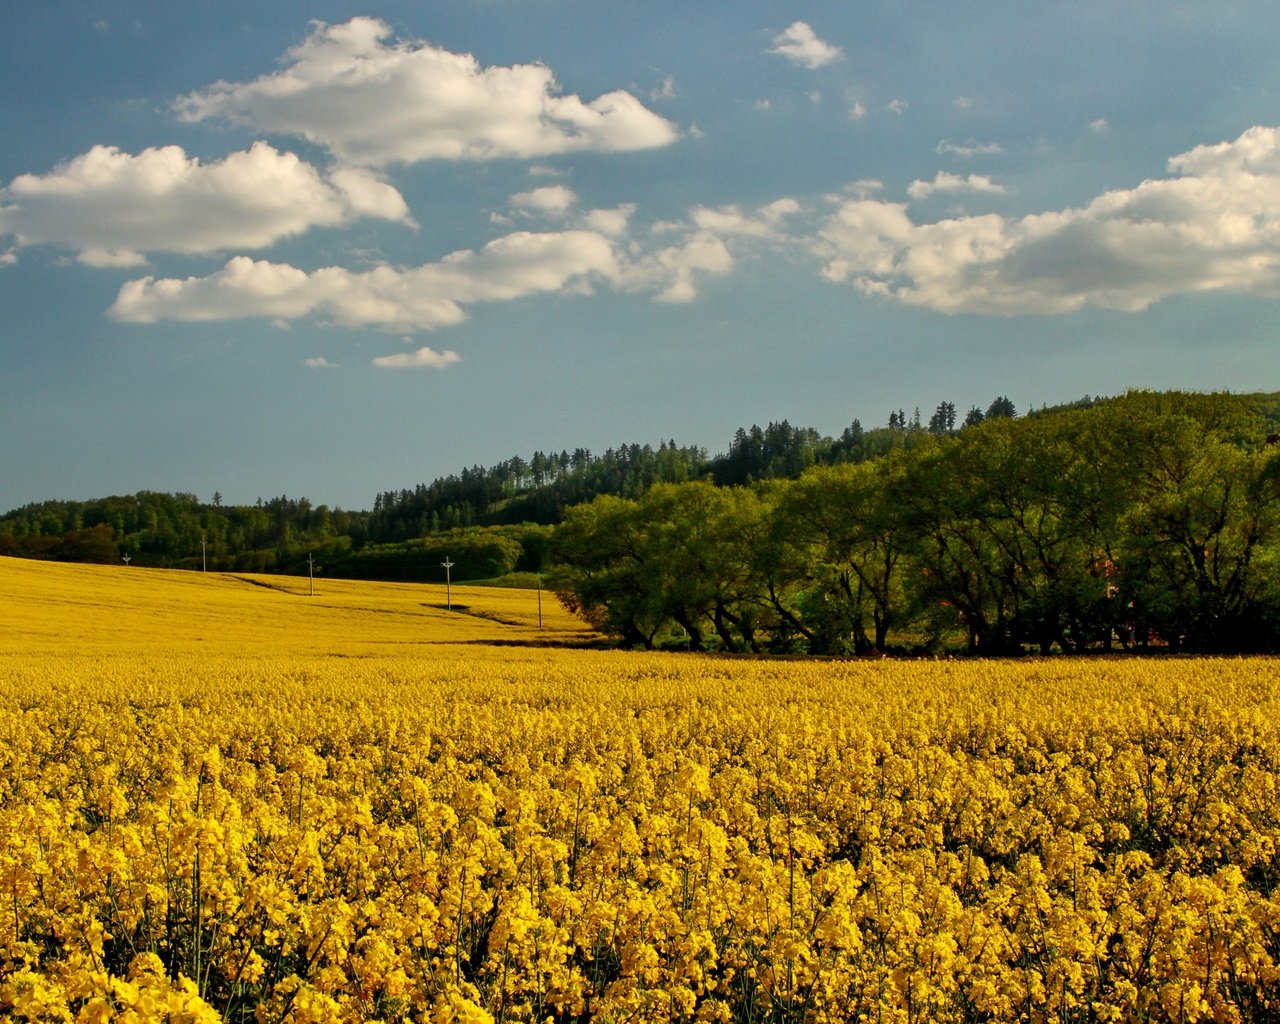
(692, 628)
(722, 619)
(881, 620)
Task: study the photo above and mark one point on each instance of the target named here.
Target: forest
(1150, 520)
(1147, 521)
(400, 537)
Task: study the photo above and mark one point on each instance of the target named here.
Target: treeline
(1153, 519)
(279, 535)
(540, 489)
(536, 490)
(163, 530)
(1148, 519)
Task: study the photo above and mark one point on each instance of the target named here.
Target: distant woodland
(1148, 521)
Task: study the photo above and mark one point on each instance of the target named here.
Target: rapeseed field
(223, 799)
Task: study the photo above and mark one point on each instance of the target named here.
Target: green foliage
(474, 554)
(1152, 519)
(1148, 520)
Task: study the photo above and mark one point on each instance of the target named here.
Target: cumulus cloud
(1099, 127)
(558, 202)
(549, 200)
(897, 106)
(111, 207)
(705, 245)
(728, 220)
(674, 271)
(612, 222)
(1213, 225)
(944, 181)
(857, 112)
(778, 209)
(320, 363)
(373, 103)
(437, 294)
(421, 298)
(424, 356)
(968, 149)
(801, 45)
(732, 221)
(368, 196)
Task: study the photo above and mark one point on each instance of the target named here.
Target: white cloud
(109, 259)
(8, 259)
(778, 209)
(420, 298)
(367, 195)
(320, 363)
(374, 104)
(703, 247)
(549, 200)
(665, 91)
(437, 294)
(962, 103)
(1100, 126)
(424, 356)
(1255, 153)
(897, 106)
(801, 45)
(611, 222)
(944, 181)
(557, 202)
(968, 149)
(1213, 226)
(111, 206)
(763, 104)
(732, 221)
(863, 188)
(674, 271)
(857, 112)
(728, 220)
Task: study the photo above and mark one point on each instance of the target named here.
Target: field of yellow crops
(96, 610)
(225, 799)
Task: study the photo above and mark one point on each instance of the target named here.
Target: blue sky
(329, 249)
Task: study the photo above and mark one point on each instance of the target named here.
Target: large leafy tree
(1012, 525)
(1200, 526)
(602, 551)
(848, 520)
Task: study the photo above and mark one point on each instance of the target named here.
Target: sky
(327, 250)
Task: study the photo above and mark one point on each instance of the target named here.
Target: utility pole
(448, 583)
(539, 600)
(204, 558)
(311, 573)
(126, 560)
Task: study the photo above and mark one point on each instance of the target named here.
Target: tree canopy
(1148, 519)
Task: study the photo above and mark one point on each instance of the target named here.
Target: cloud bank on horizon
(374, 105)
